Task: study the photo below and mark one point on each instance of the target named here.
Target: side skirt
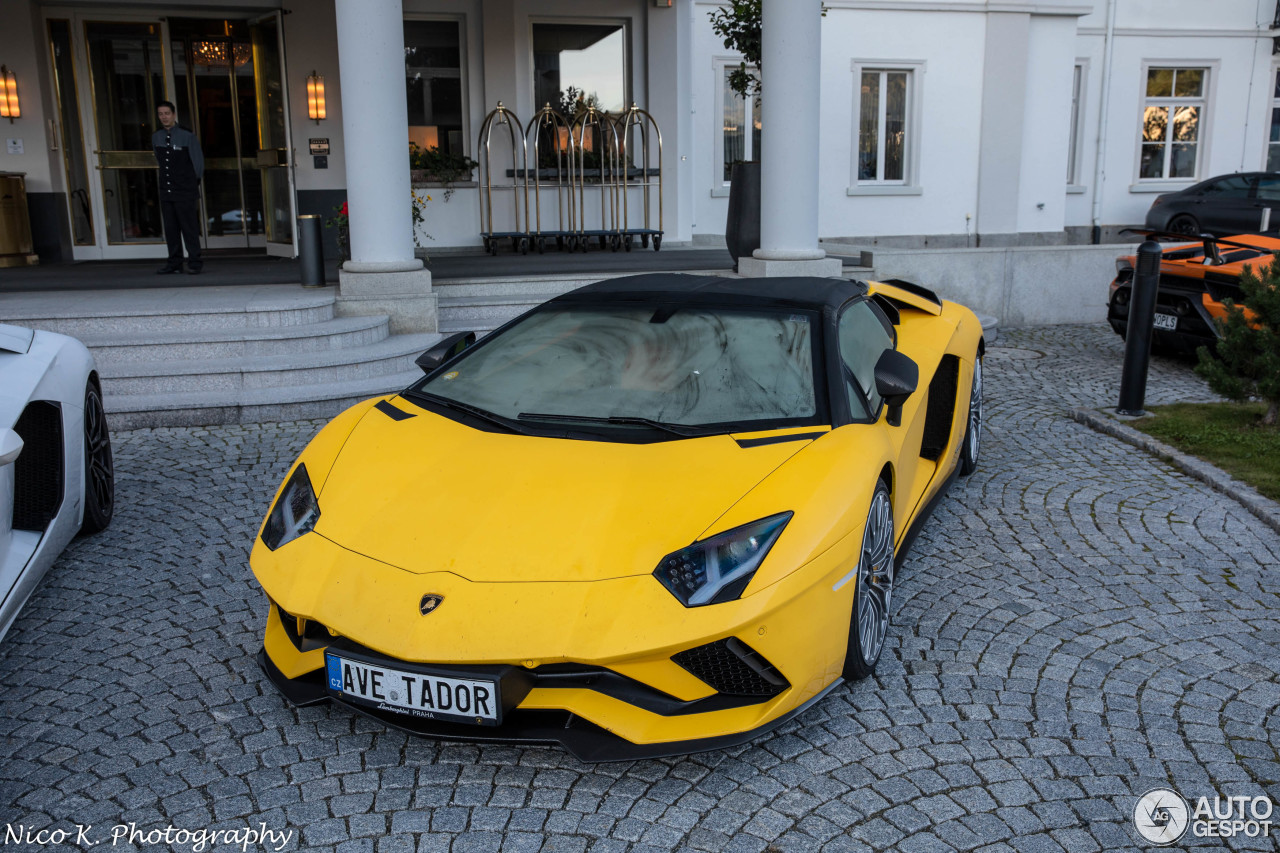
(921, 517)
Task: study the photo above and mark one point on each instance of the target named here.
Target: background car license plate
(1166, 321)
(417, 694)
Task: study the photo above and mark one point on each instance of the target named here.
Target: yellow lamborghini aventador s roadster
(656, 515)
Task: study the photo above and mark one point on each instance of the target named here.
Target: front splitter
(581, 738)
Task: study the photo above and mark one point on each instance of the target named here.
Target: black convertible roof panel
(799, 292)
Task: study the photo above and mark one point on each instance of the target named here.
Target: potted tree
(738, 25)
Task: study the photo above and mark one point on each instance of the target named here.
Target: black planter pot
(742, 229)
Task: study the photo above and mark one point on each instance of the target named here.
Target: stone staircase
(203, 356)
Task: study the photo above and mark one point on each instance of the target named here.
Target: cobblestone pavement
(1078, 623)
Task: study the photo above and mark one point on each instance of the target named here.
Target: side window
(1269, 188)
(864, 334)
(1235, 186)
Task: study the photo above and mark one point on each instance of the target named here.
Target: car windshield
(641, 365)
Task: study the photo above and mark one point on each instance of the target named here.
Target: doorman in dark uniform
(181, 168)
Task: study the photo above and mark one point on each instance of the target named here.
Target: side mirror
(896, 380)
(10, 446)
(445, 350)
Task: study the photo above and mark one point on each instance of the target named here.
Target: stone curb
(1266, 510)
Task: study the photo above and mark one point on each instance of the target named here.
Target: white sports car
(56, 476)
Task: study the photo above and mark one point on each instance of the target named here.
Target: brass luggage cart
(637, 131)
(593, 140)
(519, 186)
(550, 136)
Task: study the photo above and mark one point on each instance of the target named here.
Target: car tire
(99, 471)
(873, 590)
(1185, 223)
(973, 432)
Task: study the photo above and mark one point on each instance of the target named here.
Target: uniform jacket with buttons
(181, 162)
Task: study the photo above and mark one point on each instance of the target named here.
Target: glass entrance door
(127, 78)
(213, 72)
(275, 145)
(227, 80)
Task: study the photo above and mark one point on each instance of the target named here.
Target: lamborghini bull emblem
(429, 602)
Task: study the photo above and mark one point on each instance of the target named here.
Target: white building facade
(937, 122)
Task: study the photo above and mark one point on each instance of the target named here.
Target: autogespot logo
(1161, 816)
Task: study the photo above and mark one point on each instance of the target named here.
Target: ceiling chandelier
(221, 53)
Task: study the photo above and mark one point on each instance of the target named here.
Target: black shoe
(168, 269)
(193, 270)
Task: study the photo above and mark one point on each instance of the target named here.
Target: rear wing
(908, 294)
(1212, 253)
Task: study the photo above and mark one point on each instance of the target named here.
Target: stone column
(791, 62)
(383, 276)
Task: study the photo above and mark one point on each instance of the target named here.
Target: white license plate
(1166, 321)
(417, 694)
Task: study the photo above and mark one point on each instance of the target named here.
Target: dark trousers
(182, 225)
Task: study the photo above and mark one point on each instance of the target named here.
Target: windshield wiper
(466, 408)
(622, 420)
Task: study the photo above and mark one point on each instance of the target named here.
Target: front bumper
(621, 683)
(585, 740)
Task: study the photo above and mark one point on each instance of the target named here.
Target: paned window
(1172, 113)
(1073, 149)
(433, 84)
(883, 111)
(740, 125)
(580, 65)
(1273, 142)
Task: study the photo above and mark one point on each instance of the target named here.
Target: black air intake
(733, 668)
(38, 475)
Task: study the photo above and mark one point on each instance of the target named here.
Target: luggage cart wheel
(542, 245)
(560, 243)
(524, 245)
(657, 242)
(615, 242)
(493, 247)
(626, 243)
(644, 240)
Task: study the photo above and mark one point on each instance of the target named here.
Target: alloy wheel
(875, 579)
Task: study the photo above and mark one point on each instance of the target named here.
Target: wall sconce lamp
(315, 97)
(9, 107)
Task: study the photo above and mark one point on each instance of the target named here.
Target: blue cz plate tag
(418, 694)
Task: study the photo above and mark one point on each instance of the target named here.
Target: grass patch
(1227, 435)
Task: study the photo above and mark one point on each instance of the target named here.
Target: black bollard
(310, 251)
(1137, 346)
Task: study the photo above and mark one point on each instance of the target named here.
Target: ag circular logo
(1161, 816)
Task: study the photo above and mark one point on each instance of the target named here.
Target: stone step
(484, 304)
(168, 309)
(114, 348)
(393, 355)
(513, 286)
(243, 406)
(484, 313)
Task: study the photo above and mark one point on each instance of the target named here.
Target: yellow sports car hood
(428, 494)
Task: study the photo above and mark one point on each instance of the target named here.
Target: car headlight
(719, 568)
(295, 513)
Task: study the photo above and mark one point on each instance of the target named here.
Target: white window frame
(1205, 102)
(910, 182)
(719, 67)
(1075, 151)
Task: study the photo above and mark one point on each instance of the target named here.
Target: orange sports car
(1194, 280)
